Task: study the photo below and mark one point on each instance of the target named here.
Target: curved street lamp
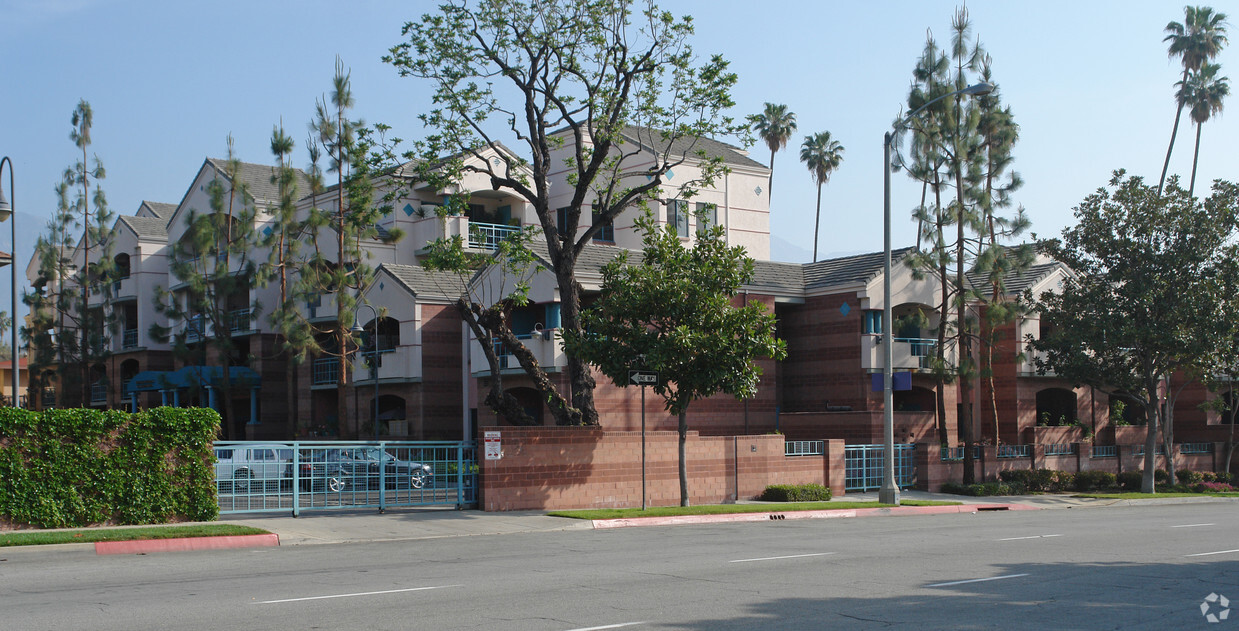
(6, 214)
(373, 361)
(889, 493)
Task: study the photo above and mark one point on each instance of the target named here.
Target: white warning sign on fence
(494, 449)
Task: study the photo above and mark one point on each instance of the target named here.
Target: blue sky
(1089, 83)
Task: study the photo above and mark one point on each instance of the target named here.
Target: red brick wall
(823, 356)
(859, 428)
(553, 467)
(438, 397)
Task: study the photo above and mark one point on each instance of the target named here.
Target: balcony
(240, 320)
(401, 363)
(129, 339)
(488, 236)
(195, 329)
(908, 353)
(544, 345)
(98, 394)
(478, 235)
(325, 371)
(125, 287)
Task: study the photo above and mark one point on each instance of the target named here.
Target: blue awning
(190, 377)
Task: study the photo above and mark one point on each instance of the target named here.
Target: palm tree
(1203, 91)
(822, 154)
(775, 126)
(1196, 41)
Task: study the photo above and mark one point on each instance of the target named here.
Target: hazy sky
(1089, 83)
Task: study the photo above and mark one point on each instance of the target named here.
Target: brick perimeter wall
(545, 468)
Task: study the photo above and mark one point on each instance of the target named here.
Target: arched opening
(530, 401)
(392, 415)
(128, 370)
(1056, 406)
(98, 385)
(1126, 410)
(918, 399)
(388, 334)
(121, 266)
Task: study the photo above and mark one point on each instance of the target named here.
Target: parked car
(238, 469)
(336, 469)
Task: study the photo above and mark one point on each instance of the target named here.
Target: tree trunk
(582, 411)
(817, 220)
(1153, 411)
(488, 322)
(770, 182)
(683, 429)
(963, 346)
(1191, 188)
(1178, 113)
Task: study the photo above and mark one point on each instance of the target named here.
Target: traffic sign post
(643, 378)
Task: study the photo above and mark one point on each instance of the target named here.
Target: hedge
(82, 467)
(795, 493)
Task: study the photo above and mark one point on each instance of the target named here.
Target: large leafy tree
(775, 126)
(1147, 297)
(673, 312)
(613, 83)
(1196, 41)
(1204, 92)
(822, 155)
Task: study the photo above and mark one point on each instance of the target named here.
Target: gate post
(460, 475)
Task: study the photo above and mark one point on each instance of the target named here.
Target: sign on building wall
(494, 450)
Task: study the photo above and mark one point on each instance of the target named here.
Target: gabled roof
(778, 277)
(652, 140)
(1017, 281)
(420, 281)
(159, 209)
(258, 178)
(155, 228)
(846, 270)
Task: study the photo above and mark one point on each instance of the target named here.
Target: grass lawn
(1148, 496)
(724, 509)
(91, 535)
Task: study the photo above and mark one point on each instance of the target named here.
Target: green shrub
(795, 493)
(1038, 480)
(1189, 477)
(983, 489)
(1225, 478)
(1160, 476)
(1130, 480)
(70, 468)
(1208, 476)
(1086, 481)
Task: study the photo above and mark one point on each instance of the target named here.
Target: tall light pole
(6, 213)
(374, 361)
(889, 493)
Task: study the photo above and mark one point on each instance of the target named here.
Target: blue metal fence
(863, 466)
(1014, 451)
(1105, 451)
(298, 476)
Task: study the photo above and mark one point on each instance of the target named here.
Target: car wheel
(337, 482)
(417, 480)
(241, 481)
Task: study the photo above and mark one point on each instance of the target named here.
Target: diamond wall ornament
(845, 309)
(757, 190)
(408, 210)
(380, 285)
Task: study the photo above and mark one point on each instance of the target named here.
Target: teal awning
(190, 377)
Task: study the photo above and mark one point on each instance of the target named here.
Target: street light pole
(889, 492)
(6, 212)
(374, 362)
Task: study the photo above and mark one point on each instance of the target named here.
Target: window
(561, 220)
(677, 215)
(872, 321)
(707, 216)
(606, 231)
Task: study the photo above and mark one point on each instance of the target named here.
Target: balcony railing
(488, 235)
(129, 339)
(326, 371)
(98, 394)
(1060, 449)
(195, 329)
(1105, 451)
(1014, 451)
(239, 320)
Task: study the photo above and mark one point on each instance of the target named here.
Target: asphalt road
(1104, 568)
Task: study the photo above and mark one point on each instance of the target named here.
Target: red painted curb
(184, 544)
(810, 514)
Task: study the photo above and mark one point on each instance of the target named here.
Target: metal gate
(318, 475)
(863, 467)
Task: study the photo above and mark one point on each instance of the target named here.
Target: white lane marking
(976, 580)
(1205, 554)
(1032, 537)
(388, 591)
(1193, 525)
(794, 556)
(609, 626)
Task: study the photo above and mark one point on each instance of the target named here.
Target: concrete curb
(185, 544)
(810, 514)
